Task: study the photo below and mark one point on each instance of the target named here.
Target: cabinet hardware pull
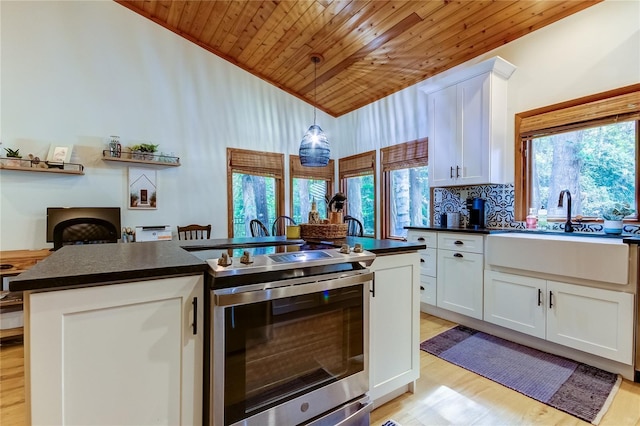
(457, 171)
(420, 238)
(451, 172)
(421, 260)
(421, 288)
(539, 297)
(457, 255)
(550, 299)
(194, 302)
(373, 286)
(458, 243)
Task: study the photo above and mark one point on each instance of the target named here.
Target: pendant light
(314, 147)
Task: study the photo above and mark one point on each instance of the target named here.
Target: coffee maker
(475, 207)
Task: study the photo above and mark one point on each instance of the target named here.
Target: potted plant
(613, 217)
(14, 155)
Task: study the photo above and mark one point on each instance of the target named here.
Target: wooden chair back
(280, 225)
(194, 232)
(258, 229)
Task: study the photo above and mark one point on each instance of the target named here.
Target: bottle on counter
(531, 220)
(542, 218)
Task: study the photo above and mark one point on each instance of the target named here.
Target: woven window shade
(299, 171)
(256, 162)
(357, 165)
(404, 155)
(609, 110)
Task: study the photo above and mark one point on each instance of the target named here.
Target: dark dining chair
(84, 230)
(354, 226)
(258, 229)
(280, 225)
(194, 232)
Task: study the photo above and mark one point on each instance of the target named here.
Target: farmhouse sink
(598, 258)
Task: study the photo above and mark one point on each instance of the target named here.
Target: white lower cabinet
(460, 274)
(126, 353)
(394, 334)
(593, 320)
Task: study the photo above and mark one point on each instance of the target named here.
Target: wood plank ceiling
(369, 48)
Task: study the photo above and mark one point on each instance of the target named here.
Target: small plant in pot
(144, 151)
(14, 156)
(613, 217)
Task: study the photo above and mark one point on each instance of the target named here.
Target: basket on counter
(323, 231)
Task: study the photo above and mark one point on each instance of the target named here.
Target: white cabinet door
(459, 282)
(590, 319)
(443, 124)
(473, 130)
(428, 292)
(116, 354)
(395, 323)
(516, 302)
(428, 262)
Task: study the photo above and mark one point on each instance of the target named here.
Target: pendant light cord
(315, 88)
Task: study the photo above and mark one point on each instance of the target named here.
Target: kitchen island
(119, 332)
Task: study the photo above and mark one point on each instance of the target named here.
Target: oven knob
(224, 260)
(358, 248)
(246, 258)
(304, 407)
(344, 248)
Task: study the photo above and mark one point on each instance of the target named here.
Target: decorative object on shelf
(314, 147)
(144, 151)
(115, 149)
(13, 153)
(142, 189)
(139, 157)
(13, 157)
(36, 163)
(314, 215)
(613, 217)
(59, 154)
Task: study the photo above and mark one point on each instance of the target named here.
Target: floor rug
(575, 388)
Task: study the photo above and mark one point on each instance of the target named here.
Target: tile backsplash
(499, 208)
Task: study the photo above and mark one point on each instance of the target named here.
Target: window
(254, 189)
(358, 183)
(308, 184)
(588, 146)
(405, 188)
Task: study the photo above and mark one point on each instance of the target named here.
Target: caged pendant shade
(314, 147)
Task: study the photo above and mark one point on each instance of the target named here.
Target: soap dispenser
(531, 220)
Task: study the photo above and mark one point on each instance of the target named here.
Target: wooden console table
(12, 263)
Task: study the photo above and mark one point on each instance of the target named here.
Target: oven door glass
(277, 350)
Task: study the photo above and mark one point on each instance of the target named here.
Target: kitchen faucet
(568, 226)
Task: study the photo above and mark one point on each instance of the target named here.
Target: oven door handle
(246, 297)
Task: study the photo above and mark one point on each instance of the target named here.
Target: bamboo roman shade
(404, 155)
(622, 107)
(256, 162)
(358, 165)
(299, 171)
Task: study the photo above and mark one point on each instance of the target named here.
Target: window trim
(588, 111)
(257, 163)
(298, 171)
(400, 156)
(359, 165)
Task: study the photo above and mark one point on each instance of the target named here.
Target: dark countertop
(465, 230)
(626, 238)
(92, 264)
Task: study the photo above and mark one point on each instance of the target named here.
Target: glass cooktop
(298, 257)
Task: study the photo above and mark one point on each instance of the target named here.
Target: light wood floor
(445, 395)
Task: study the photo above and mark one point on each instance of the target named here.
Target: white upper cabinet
(467, 119)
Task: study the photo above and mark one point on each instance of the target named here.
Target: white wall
(77, 72)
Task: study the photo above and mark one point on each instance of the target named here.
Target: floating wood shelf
(11, 332)
(142, 158)
(27, 165)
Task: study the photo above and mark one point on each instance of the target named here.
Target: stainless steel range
(290, 338)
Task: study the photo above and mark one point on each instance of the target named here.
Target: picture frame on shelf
(59, 153)
(142, 194)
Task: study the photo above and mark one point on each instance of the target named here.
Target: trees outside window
(255, 189)
(308, 184)
(358, 183)
(588, 146)
(597, 165)
(405, 188)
